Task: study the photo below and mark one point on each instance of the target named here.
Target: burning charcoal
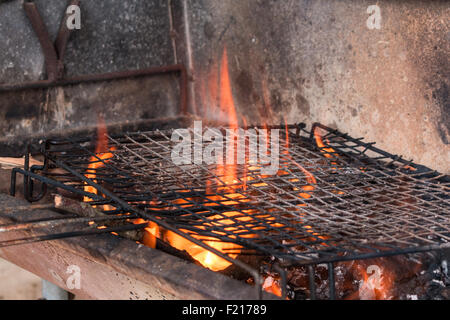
(272, 285)
(298, 278)
(399, 277)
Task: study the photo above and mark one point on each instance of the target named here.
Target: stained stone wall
(318, 61)
(304, 60)
(114, 36)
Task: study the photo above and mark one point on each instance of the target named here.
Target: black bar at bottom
(331, 281)
(312, 284)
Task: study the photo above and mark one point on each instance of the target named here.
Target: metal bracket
(53, 52)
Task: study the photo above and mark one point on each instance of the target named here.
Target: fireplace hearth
(334, 199)
(178, 149)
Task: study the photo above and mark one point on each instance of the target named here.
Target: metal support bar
(46, 84)
(54, 67)
(64, 34)
(331, 281)
(312, 284)
(54, 55)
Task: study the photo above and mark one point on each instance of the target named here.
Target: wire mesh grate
(333, 198)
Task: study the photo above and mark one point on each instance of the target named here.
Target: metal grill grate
(342, 200)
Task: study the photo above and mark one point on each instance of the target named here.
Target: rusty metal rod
(9, 243)
(46, 84)
(48, 48)
(56, 221)
(64, 34)
(312, 282)
(331, 282)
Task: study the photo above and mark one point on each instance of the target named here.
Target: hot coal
(404, 277)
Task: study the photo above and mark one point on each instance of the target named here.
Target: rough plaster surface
(311, 61)
(20, 55)
(114, 36)
(301, 60)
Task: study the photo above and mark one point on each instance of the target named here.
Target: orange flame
(286, 129)
(102, 155)
(321, 145)
(219, 86)
(227, 172)
(150, 233)
(226, 95)
(217, 99)
(205, 257)
(309, 176)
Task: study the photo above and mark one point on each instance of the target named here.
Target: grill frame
(384, 166)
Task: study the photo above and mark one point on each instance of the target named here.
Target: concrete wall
(114, 36)
(318, 61)
(302, 60)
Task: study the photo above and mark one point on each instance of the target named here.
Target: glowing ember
(205, 257)
(376, 282)
(150, 234)
(272, 286)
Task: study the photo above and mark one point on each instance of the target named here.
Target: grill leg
(51, 291)
(331, 281)
(312, 284)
